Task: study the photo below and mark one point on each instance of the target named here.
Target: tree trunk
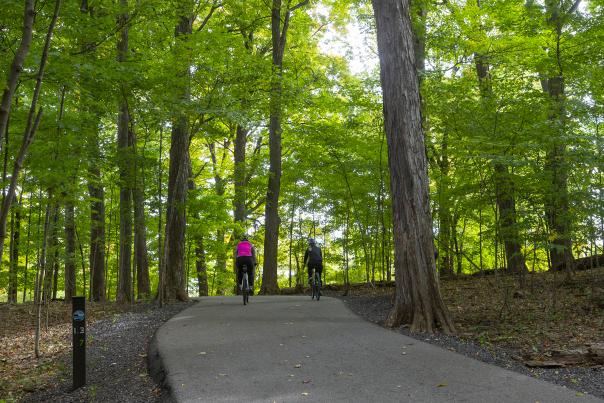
(444, 211)
(239, 175)
(16, 66)
(271, 211)
(418, 301)
(140, 242)
(49, 290)
(14, 256)
(173, 266)
(202, 267)
(27, 244)
(124, 151)
(97, 220)
(70, 252)
(557, 198)
(33, 120)
(41, 277)
(504, 183)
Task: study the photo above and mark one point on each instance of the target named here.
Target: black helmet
(311, 241)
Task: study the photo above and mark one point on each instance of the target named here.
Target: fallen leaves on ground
(548, 314)
(20, 370)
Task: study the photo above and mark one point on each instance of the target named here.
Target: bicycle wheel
(318, 285)
(245, 288)
(312, 287)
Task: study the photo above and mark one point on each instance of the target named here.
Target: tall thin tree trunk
(41, 278)
(27, 242)
(557, 202)
(97, 220)
(143, 282)
(418, 301)
(271, 212)
(124, 288)
(14, 255)
(201, 267)
(173, 267)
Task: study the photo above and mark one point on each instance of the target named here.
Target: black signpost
(79, 341)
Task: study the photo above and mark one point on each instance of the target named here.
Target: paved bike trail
(292, 349)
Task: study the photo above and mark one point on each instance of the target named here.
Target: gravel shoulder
(582, 379)
(116, 360)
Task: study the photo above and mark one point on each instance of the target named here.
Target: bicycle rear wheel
(318, 285)
(312, 287)
(245, 289)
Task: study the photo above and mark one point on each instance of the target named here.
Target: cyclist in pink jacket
(246, 255)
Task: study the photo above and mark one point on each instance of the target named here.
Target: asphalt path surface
(292, 349)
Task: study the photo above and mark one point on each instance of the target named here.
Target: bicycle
(245, 285)
(315, 285)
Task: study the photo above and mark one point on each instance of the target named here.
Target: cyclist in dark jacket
(246, 255)
(313, 259)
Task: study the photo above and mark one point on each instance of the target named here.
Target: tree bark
(173, 266)
(141, 257)
(271, 212)
(96, 191)
(70, 252)
(444, 211)
(124, 150)
(16, 67)
(14, 256)
(239, 175)
(97, 220)
(418, 301)
(557, 209)
(201, 267)
(40, 277)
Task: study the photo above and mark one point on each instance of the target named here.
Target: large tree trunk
(172, 279)
(70, 252)
(504, 184)
(33, 120)
(557, 197)
(124, 150)
(271, 211)
(16, 67)
(418, 301)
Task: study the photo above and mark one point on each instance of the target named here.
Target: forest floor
(117, 340)
(542, 330)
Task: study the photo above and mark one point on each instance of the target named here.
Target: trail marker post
(79, 341)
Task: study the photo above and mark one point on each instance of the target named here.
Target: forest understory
(497, 322)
